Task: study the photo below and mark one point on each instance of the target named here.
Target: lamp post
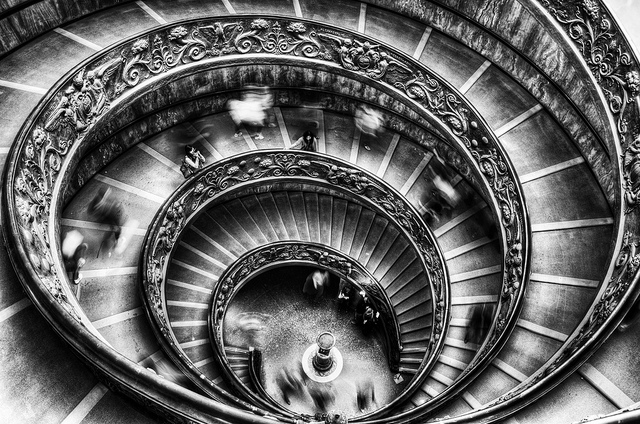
(322, 360)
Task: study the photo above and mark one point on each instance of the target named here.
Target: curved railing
(617, 288)
(51, 142)
(298, 253)
(270, 167)
(612, 60)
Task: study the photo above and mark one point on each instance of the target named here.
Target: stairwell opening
(271, 313)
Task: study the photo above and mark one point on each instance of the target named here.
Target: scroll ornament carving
(93, 89)
(161, 52)
(445, 105)
(43, 154)
(230, 174)
(363, 57)
(606, 53)
(237, 274)
(358, 183)
(631, 173)
(42, 159)
(185, 44)
(167, 236)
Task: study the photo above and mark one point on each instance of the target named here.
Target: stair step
(407, 259)
(414, 350)
(408, 281)
(238, 366)
(404, 360)
(398, 249)
(365, 222)
(245, 219)
(417, 305)
(209, 227)
(262, 220)
(389, 236)
(377, 230)
(268, 203)
(417, 336)
(337, 222)
(325, 207)
(227, 221)
(283, 205)
(313, 218)
(415, 325)
(296, 199)
(350, 224)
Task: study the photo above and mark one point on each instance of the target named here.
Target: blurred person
(368, 120)
(308, 142)
(345, 294)
(361, 302)
(365, 395)
(251, 110)
(73, 253)
(290, 383)
(446, 191)
(315, 284)
(107, 210)
(252, 325)
(369, 319)
(479, 324)
(442, 177)
(433, 207)
(192, 161)
(323, 395)
(441, 197)
(169, 372)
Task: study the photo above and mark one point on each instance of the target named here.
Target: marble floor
(292, 324)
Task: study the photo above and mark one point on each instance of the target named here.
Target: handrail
(616, 70)
(300, 253)
(48, 145)
(244, 170)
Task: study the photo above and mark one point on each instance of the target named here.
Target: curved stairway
(568, 219)
(238, 226)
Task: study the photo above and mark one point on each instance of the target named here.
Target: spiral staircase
(532, 105)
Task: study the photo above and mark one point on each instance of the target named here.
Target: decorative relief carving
(446, 105)
(85, 99)
(631, 173)
(606, 53)
(255, 166)
(611, 61)
(362, 56)
(282, 252)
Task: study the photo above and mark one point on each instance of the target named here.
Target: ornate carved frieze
(265, 167)
(612, 64)
(631, 173)
(281, 253)
(322, 256)
(64, 120)
(256, 166)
